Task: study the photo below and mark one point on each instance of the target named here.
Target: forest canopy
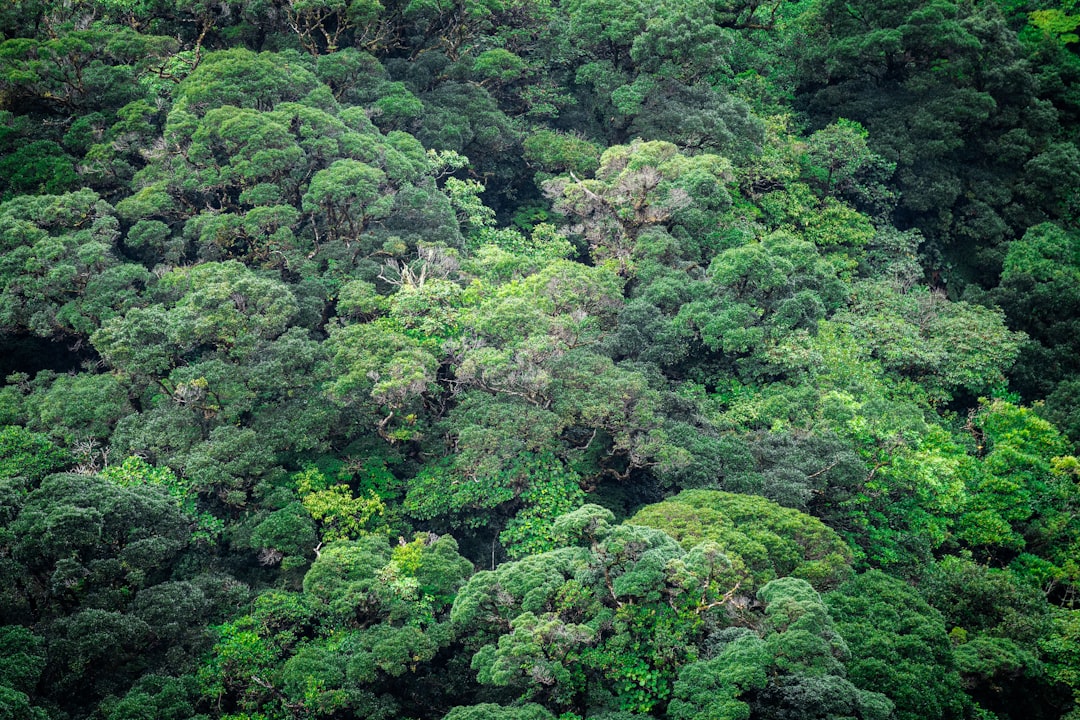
(539, 360)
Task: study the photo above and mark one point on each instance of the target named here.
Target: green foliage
(638, 186)
(944, 346)
(532, 530)
(288, 532)
(98, 520)
(808, 652)
(169, 698)
(634, 663)
(1060, 648)
(135, 472)
(1022, 491)
(379, 362)
(83, 67)
(342, 516)
(284, 280)
(490, 711)
(711, 688)
(39, 168)
(348, 193)
(632, 613)
(885, 68)
(244, 79)
(839, 163)
(88, 563)
(224, 306)
(555, 153)
(1056, 23)
(28, 455)
(498, 65)
(61, 273)
(23, 657)
(899, 646)
(17, 705)
(368, 614)
(771, 541)
(1042, 265)
(83, 407)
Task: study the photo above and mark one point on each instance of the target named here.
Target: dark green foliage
(82, 68)
(938, 85)
(369, 614)
(798, 470)
(576, 625)
(825, 697)
(998, 623)
(61, 273)
(23, 655)
(15, 705)
(28, 455)
(711, 688)
(156, 696)
(71, 525)
(289, 531)
(899, 646)
(87, 564)
(39, 168)
(286, 284)
(1038, 294)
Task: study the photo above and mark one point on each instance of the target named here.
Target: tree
(90, 67)
(627, 611)
(840, 164)
(243, 79)
(711, 688)
(771, 541)
(899, 646)
(1042, 265)
(611, 632)
(78, 408)
(369, 615)
(223, 306)
(88, 563)
(1023, 496)
(341, 515)
(29, 456)
(62, 274)
(794, 671)
(938, 86)
(348, 194)
(23, 660)
(491, 711)
(947, 347)
(638, 186)
(999, 638)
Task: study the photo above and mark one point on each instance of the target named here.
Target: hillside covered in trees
(539, 360)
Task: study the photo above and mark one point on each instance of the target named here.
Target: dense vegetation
(537, 359)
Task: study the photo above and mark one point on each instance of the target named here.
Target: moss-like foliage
(770, 540)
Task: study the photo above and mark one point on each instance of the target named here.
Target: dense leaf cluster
(539, 359)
